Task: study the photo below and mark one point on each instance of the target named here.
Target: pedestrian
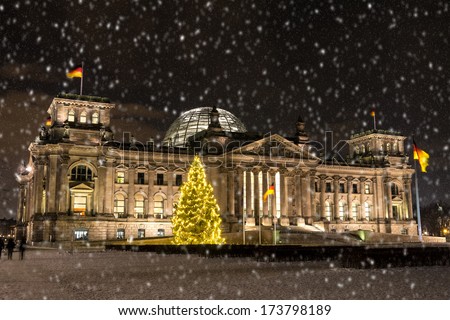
(22, 248)
(10, 246)
(2, 246)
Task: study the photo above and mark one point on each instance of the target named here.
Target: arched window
(395, 147)
(119, 205)
(388, 147)
(83, 117)
(81, 173)
(95, 118)
(327, 210)
(341, 210)
(71, 116)
(139, 205)
(394, 189)
(363, 149)
(158, 201)
(356, 150)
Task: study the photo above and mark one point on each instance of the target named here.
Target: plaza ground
(59, 274)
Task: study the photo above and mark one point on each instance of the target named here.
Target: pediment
(275, 146)
(81, 187)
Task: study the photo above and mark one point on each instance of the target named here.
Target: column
(336, 197)
(375, 207)
(239, 199)
(109, 186)
(312, 192)
(273, 198)
(283, 192)
(361, 198)
(39, 184)
(169, 209)
(387, 183)
(409, 214)
(248, 192)
(349, 196)
(63, 194)
(265, 187)
(230, 190)
(322, 196)
(151, 203)
(256, 193)
(52, 174)
(131, 191)
(306, 199)
(298, 193)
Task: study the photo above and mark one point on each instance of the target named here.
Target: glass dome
(196, 120)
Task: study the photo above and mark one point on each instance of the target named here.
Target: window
(80, 234)
(139, 205)
(178, 180)
(342, 187)
(119, 205)
(158, 201)
(141, 233)
(80, 204)
(327, 210)
(394, 189)
(354, 211)
(341, 210)
(317, 186)
(366, 188)
(71, 116)
(395, 212)
(355, 188)
(83, 117)
(160, 179)
(120, 234)
(120, 177)
(366, 210)
(363, 149)
(81, 173)
(161, 233)
(356, 150)
(328, 187)
(95, 118)
(388, 147)
(140, 178)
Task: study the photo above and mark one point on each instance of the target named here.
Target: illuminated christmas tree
(196, 218)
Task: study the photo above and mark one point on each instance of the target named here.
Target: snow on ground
(53, 274)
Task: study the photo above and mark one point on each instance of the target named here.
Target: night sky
(265, 61)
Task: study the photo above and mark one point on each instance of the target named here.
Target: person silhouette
(2, 246)
(10, 246)
(22, 248)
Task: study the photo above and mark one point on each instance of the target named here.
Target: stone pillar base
(250, 222)
(266, 221)
(284, 221)
(300, 222)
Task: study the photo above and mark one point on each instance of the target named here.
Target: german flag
(76, 72)
(270, 191)
(422, 156)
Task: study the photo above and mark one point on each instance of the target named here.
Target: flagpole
(259, 227)
(82, 75)
(419, 223)
(374, 121)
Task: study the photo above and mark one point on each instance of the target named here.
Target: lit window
(120, 234)
(366, 210)
(366, 188)
(83, 117)
(120, 177)
(80, 204)
(341, 210)
(161, 233)
(95, 118)
(81, 173)
(71, 116)
(158, 205)
(139, 205)
(80, 234)
(141, 233)
(327, 210)
(354, 211)
(119, 205)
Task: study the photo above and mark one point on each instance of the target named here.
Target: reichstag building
(82, 184)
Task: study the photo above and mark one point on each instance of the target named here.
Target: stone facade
(80, 183)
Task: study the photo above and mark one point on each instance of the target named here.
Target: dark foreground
(57, 274)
